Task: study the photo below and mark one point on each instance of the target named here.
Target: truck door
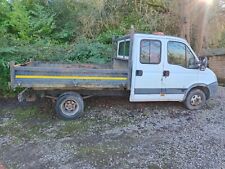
(180, 71)
(147, 69)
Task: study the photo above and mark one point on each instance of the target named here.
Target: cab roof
(143, 35)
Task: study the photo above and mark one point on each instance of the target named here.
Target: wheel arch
(202, 87)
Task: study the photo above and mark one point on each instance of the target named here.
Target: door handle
(166, 73)
(139, 72)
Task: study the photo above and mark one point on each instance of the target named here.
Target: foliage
(222, 40)
(18, 22)
(77, 31)
(4, 75)
(41, 22)
(90, 52)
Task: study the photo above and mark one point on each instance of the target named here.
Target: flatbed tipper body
(51, 76)
(145, 67)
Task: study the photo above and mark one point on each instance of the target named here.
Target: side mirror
(203, 63)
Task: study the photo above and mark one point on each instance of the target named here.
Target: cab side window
(180, 54)
(176, 54)
(150, 52)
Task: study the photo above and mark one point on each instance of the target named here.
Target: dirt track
(114, 134)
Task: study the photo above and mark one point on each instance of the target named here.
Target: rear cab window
(123, 50)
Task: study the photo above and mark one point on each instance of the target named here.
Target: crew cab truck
(146, 67)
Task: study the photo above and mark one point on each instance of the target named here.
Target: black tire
(69, 106)
(195, 99)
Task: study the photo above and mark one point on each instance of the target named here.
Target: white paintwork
(180, 77)
(152, 78)
(152, 73)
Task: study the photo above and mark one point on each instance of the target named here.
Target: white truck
(146, 67)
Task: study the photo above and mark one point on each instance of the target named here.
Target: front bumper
(213, 87)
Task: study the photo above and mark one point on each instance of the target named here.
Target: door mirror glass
(203, 63)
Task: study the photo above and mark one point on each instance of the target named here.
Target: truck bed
(47, 76)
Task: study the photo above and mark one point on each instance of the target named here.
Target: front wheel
(69, 106)
(195, 99)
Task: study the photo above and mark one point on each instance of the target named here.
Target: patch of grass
(86, 124)
(36, 131)
(72, 126)
(76, 126)
(23, 114)
(2, 131)
(83, 125)
(23, 132)
(114, 122)
(24, 123)
(29, 123)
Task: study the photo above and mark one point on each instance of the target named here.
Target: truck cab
(165, 68)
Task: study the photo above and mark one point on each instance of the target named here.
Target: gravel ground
(114, 134)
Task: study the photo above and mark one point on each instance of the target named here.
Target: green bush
(4, 78)
(86, 51)
(77, 31)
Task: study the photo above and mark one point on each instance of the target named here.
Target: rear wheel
(69, 106)
(195, 99)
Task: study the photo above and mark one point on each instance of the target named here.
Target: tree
(202, 23)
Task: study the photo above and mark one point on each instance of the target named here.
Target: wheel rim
(69, 107)
(196, 100)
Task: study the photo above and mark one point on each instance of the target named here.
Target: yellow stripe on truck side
(69, 77)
